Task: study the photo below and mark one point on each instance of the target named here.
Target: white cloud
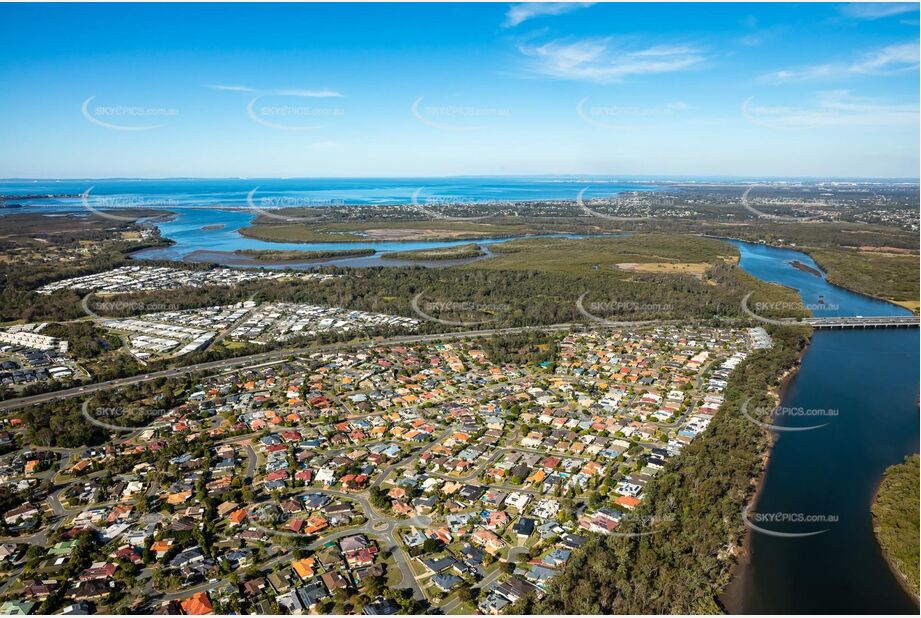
(231, 88)
(877, 10)
(894, 58)
(307, 94)
(817, 71)
(519, 13)
(832, 108)
(599, 60)
(885, 61)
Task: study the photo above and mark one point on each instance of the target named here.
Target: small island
(293, 255)
(457, 252)
(895, 520)
(805, 268)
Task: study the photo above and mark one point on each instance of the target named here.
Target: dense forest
(896, 515)
(59, 423)
(697, 499)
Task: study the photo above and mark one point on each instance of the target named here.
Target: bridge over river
(901, 321)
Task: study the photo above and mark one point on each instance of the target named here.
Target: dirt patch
(695, 269)
(885, 251)
(911, 305)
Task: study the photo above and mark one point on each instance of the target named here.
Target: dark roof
(524, 525)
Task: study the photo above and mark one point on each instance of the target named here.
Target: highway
(270, 357)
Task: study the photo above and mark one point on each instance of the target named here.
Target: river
(208, 213)
(869, 378)
(209, 233)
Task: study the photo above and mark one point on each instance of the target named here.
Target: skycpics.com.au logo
(458, 313)
(619, 311)
(615, 203)
(780, 414)
(613, 117)
(748, 204)
(288, 109)
(290, 116)
(426, 203)
(112, 307)
(100, 204)
(782, 306)
(455, 117)
(126, 117)
(270, 206)
(123, 419)
(769, 523)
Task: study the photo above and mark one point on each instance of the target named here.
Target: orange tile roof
(304, 568)
(197, 605)
(178, 498)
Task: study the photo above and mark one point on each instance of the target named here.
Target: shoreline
(731, 598)
(805, 251)
(893, 567)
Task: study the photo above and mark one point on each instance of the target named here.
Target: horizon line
(574, 176)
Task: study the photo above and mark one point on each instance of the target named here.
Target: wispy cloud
(519, 13)
(306, 94)
(832, 108)
(600, 60)
(885, 61)
(231, 88)
(894, 58)
(877, 10)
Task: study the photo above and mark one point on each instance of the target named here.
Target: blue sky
(448, 89)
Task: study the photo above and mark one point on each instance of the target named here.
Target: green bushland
(600, 255)
(697, 500)
(457, 252)
(887, 276)
(896, 514)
